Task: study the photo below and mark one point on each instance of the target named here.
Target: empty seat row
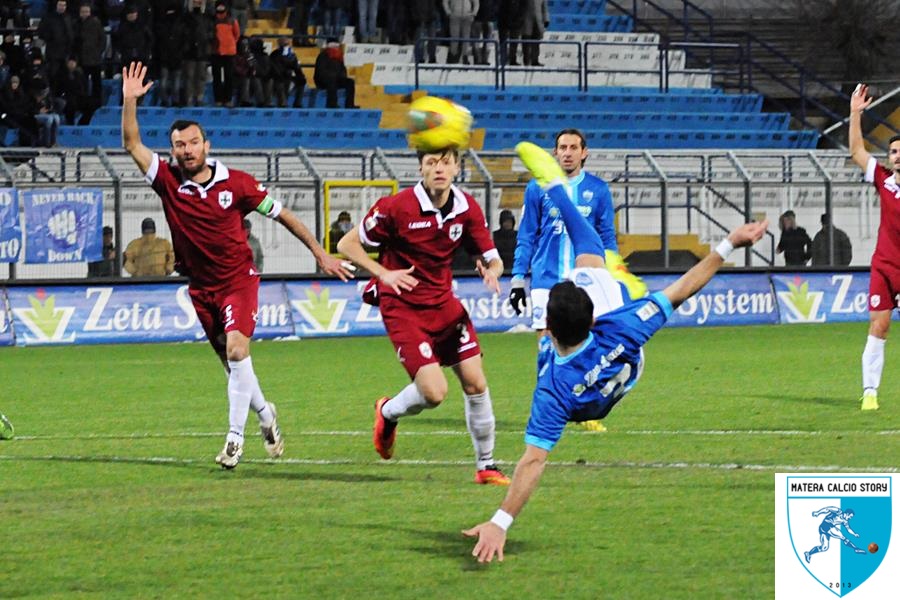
(580, 22)
(576, 7)
(649, 102)
(499, 139)
(245, 138)
(632, 120)
(266, 117)
(448, 90)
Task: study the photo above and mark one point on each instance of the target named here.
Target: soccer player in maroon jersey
(884, 278)
(417, 232)
(205, 204)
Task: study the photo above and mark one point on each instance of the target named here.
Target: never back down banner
(63, 225)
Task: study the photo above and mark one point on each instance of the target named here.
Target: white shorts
(604, 291)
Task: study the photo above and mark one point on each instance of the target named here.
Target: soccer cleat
(7, 431)
(541, 164)
(618, 268)
(384, 433)
(271, 435)
(491, 475)
(230, 455)
(869, 400)
(595, 425)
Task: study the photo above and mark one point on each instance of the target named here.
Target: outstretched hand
(858, 100)
(335, 266)
(488, 276)
(399, 280)
(133, 81)
(491, 540)
(748, 234)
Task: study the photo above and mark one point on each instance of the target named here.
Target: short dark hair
(571, 131)
(453, 150)
(570, 313)
(893, 139)
(182, 124)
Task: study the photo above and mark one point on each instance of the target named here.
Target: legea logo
(46, 323)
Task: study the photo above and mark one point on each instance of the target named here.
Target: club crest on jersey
(876, 300)
(225, 199)
(587, 195)
(455, 231)
(425, 350)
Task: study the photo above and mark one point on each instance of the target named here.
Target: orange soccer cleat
(384, 433)
(491, 475)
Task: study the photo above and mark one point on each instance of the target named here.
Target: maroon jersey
(887, 249)
(207, 222)
(409, 231)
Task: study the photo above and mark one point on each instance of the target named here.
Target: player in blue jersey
(544, 247)
(587, 363)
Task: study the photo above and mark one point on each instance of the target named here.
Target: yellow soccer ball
(435, 123)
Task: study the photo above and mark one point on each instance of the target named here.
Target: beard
(191, 171)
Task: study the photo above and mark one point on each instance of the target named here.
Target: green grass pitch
(110, 490)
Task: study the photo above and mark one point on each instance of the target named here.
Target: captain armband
(269, 207)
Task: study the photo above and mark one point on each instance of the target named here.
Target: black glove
(517, 299)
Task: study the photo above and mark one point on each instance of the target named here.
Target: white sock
(241, 382)
(872, 362)
(480, 422)
(409, 401)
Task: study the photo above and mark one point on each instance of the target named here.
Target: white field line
(170, 460)
(460, 432)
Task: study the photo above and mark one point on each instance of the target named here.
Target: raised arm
(858, 103)
(351, 247)
(699, 275)
(329, 264)
(133, 87)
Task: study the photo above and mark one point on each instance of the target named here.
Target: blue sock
(585, 238)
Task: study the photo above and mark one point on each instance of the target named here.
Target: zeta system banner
(63, 225)
(10, 230)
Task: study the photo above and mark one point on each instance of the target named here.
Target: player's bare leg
(873, 357)
(480, 420)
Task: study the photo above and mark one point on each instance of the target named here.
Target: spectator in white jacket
(461, 15)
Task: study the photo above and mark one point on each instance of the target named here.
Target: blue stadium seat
(580, 22)
(449, 90)
(667, 139)
(609, 102)
(576, 7)
(631, 120)
(269, 117)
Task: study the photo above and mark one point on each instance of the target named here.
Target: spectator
(149, 255)
(35, 77)
(133, 40)
(341, 226)
(535, 21)
(90, 44)
(15, 55)
(262, 75)
(330, 74)
(254, 244)
(245, 81)
(843, 250)
(5, 72)
(461, 15)
(367, 14)
(240, 10)
(483, 28)
(15, 10)
(505, 238)
(199, 33)
(17, 106)
(286, 70)
(106, 266)
(300, 23)
(333, 16)
(73, 90)
(111, 13)
(57, 29)
(423, 14)
(510, 21)
(794, 241)
(170, 42)
(396, 15)
(227, 33)
(45, 109)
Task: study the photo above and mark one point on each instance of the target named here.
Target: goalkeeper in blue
(544, 246)
(587, 363)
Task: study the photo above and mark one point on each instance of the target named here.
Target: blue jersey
(543, 246)
(586, 384)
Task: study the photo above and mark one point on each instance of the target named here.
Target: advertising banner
(728, 299)
(63, 225)
(10, 230)
(821, 297)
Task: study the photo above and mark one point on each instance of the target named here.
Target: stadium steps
(629, 243)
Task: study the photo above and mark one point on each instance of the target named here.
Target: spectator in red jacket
(330, 74)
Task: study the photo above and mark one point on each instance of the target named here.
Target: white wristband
(724, 249)
(502, 519)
